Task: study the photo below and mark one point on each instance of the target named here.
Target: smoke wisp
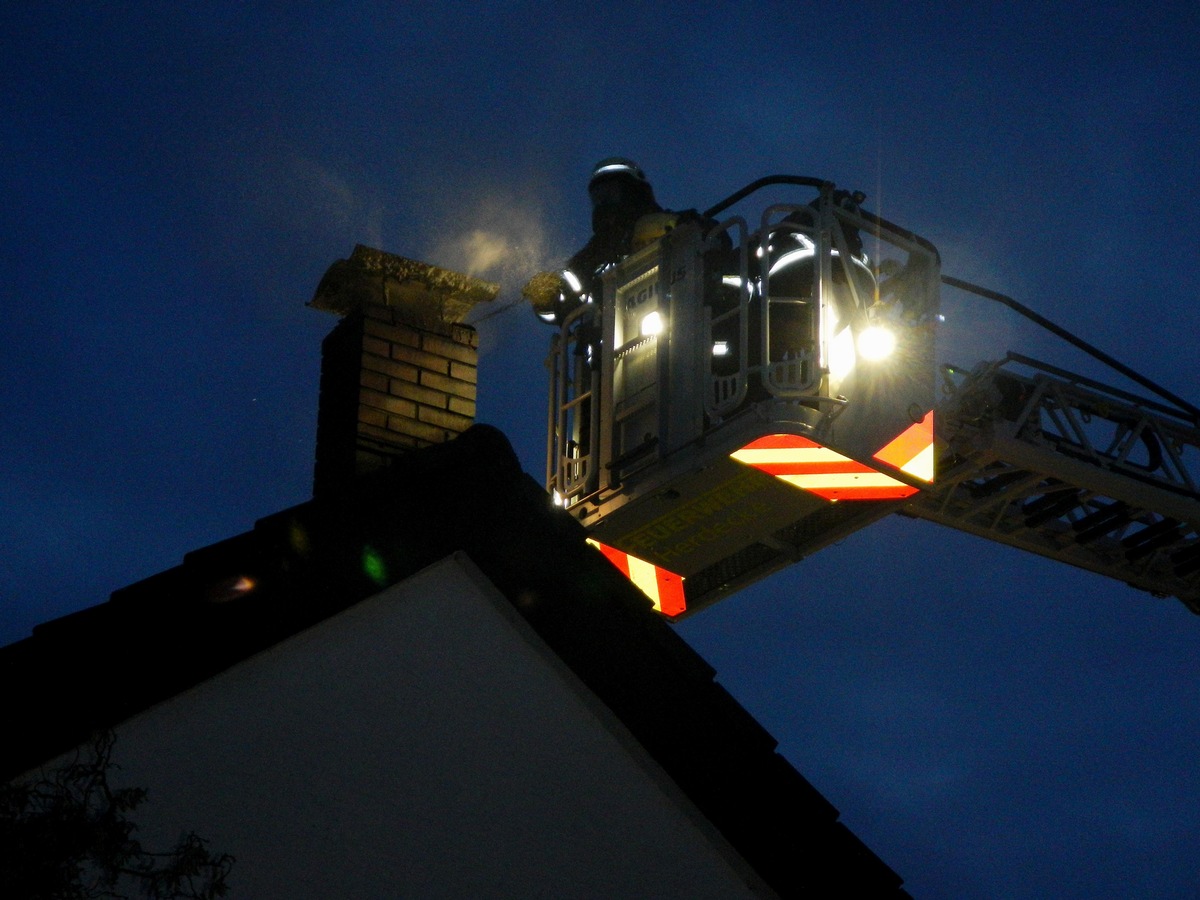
(499, 238)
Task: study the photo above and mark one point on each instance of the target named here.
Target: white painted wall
(424, 743)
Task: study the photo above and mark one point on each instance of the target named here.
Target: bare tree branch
(65, 835)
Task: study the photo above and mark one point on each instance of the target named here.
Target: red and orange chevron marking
(912, 451)
(663, 587)
(819, 470)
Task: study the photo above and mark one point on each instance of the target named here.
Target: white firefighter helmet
(616, 165)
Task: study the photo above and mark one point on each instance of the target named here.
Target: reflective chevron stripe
(912, 451)
(819, 470)
(661, 586)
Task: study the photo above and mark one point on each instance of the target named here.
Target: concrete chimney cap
(426, 293)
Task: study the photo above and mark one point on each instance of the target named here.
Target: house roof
(225, 602)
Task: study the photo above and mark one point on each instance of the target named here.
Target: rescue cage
(712, 408)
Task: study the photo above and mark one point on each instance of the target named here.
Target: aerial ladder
(752, 387)
(1071, 469)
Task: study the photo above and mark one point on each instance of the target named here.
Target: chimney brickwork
(398, 372)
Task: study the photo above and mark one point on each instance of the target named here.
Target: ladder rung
(1049, 507)
(996, 484)
(1151, 532)
(1146, 547)
(1186, 560)
(1142, 543)
(1101, 522)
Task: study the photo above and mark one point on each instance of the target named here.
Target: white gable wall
(424, 743)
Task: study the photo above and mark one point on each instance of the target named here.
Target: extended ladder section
(1065, 467)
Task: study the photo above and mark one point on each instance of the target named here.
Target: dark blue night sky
(177, 178)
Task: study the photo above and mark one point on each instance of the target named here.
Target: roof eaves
(239, 596)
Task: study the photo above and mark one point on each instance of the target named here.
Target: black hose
(819, 184)
(1083, 345)
(803, 180)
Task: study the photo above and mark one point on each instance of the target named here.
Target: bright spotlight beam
(876, 343)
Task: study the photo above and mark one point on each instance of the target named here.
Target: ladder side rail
(1173, 449)
(1130, 509)
(1164, 438)
(1104, 482)
(1099, 386)
(1149, 550)
(1125, 440)
(626, 389)
(577, 455)
(1050, 402)
(1192, 411)
(1075, 418)
(1145, 431)
(552, 417)
(574, 395)
(727, 392)
(1126, 427)
(1005, 480)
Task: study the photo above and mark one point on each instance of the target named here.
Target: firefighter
(624, 213)
(620, 196)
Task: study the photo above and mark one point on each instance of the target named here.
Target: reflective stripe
(853, 487)
(644, 575)
(663, 587)
(825, 481)
(807, 465)
(912, 450)
(830, 467)
(789, 456)
(613, 555)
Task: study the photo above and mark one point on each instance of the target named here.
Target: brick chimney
(398, 371)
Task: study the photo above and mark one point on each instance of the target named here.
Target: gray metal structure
(1060, 465)
(723, 333)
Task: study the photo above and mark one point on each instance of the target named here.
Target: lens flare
(876, 343)
(373, 566)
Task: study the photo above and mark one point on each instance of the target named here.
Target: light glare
(841, 355)
(572, 280)
(876, 343)
(652, 324)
